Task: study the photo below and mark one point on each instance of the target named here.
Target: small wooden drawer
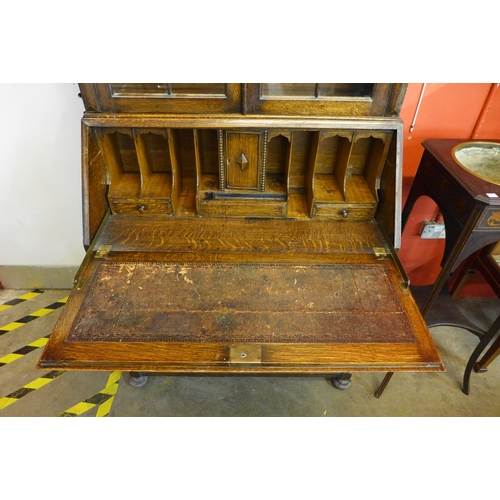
(340, 211)
(243, 208)
(141, 206)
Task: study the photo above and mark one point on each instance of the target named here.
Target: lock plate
(247, 354)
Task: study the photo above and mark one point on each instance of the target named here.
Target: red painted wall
(447, 110)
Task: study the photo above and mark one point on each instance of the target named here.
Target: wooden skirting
(30, 277)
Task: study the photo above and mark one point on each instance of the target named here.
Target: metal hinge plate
(79, 284)
(247, 354)
(380, 253)
(102, 251)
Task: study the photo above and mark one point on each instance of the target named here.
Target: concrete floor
(77, 393)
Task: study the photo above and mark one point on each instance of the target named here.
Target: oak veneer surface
(310, 295)
(270, 236)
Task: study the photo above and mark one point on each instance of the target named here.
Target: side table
(470, 206)
(485, 263)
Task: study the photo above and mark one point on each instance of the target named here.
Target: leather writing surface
(201, 302)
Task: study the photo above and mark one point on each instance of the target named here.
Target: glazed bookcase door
(329, 99)
(162, 97)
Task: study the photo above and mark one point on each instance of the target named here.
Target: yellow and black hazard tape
(20, 299)
(34, 315)
(32, 346)
(103, 398)
(29, 388)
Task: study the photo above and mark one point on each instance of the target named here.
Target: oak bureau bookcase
(241, 229)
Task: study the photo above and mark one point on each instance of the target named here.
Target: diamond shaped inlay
(242, 161)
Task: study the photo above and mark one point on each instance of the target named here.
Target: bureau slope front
(239, 297)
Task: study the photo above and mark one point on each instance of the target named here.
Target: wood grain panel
(231, 235)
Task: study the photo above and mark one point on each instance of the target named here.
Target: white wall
(40, 184)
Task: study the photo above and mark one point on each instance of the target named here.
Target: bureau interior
(286, 173)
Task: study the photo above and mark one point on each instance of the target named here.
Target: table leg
(384, 383)
(492, 353)
(488, 337)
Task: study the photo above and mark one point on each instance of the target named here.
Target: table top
(479, 189)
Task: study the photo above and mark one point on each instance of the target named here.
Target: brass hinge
(404, 282)
(102, 251)
(247, 354)
(380, 253)
(79, 284)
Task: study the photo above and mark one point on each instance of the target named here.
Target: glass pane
(345, 89)
(288, 89)
(139, 88)
(168, 89)
(199, 88)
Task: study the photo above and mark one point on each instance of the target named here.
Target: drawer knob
(344, 213)
(141, 208)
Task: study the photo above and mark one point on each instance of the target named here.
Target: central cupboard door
(243, 160)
